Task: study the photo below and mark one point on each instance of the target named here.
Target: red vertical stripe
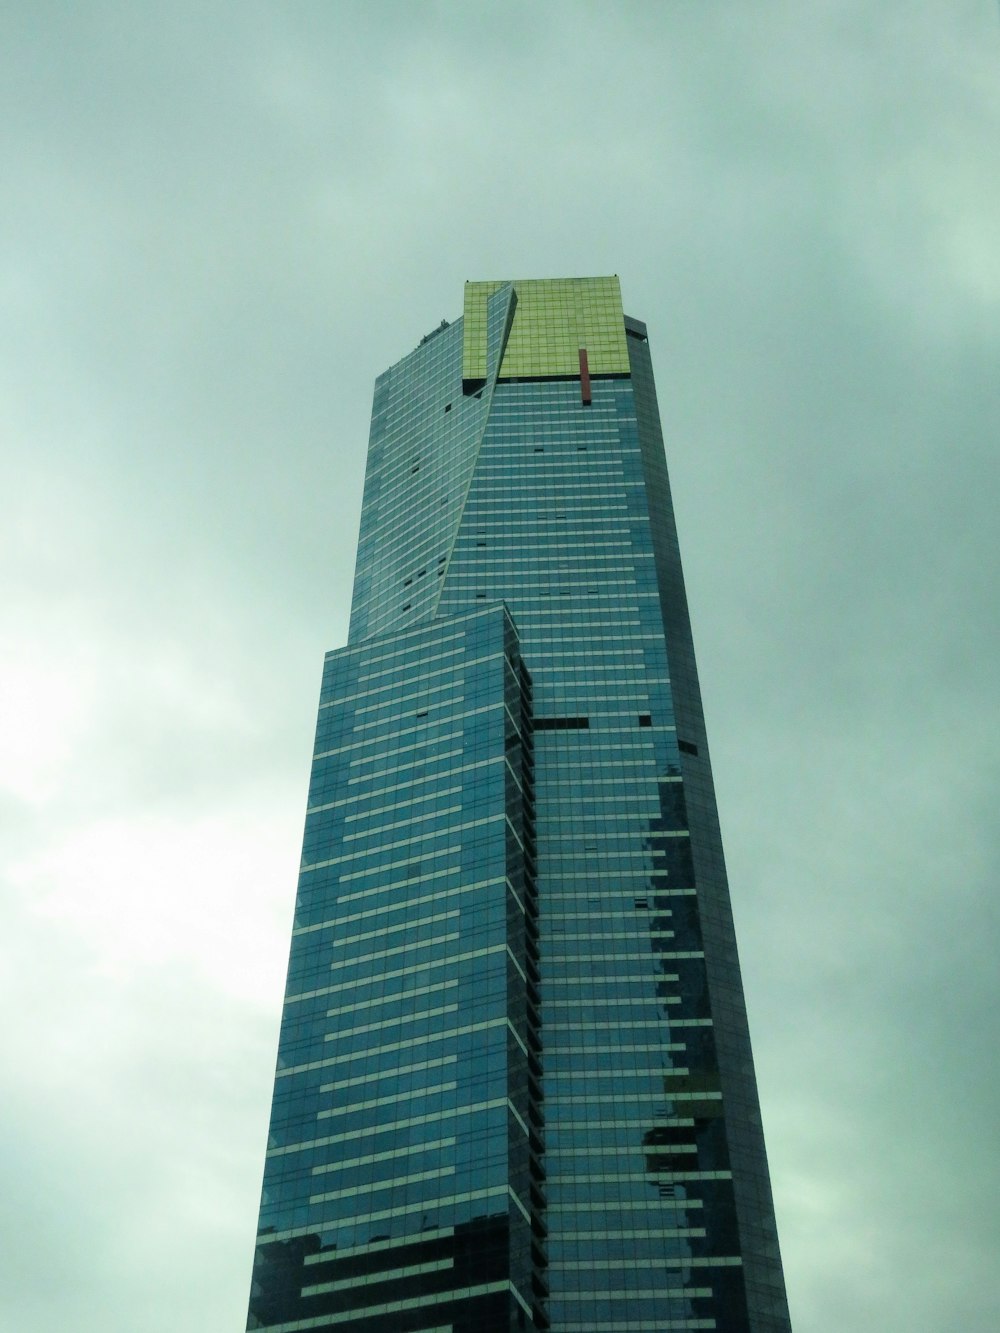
(584, 377)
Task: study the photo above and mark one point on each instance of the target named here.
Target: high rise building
(514, 1084)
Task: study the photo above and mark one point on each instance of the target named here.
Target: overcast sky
(219, 222)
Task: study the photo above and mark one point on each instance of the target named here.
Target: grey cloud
(218, 229)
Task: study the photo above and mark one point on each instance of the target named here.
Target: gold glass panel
(554, 318)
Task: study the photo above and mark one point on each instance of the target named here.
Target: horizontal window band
(570, 821)
(394, 952)
(536, 485)
(394, 673)
(364, 1080)
(631, 1233)
(381, 1187)
(700, 1261)
(454, 850)
(412, 923)
(403, 796)
(380, 753)
(424, 966)
(394, 666)
(322, 1322)
(420, 745)
(651, 1177)
(406, 760)
(606, 523)
(386, 1048)
(623, 914)
(672, 1205)
(640, 1293)
(410, 1150)
(567, 889)
(612, 1050)
(387, 1024)
(572, 1179)
(629, 978)
(429, 1118)
(396, 973)
(661, 1119)
(384, 1308)
(375, 1247)
(623, 1025)
(410, 786)
(657, 1098)
(451, 709)
(383, 1275)
(610, 559)
(405, 904)
(410, 802)
(632, 1326)
(466, 1196)
(395, 996)
(617, 582)
(386, 1101)
(420, 846)
(552, 952)
(556, 1076)
(397, 885)
(554, 1155)
(632, 1206)
(378, 830)
(550, 944)
(445, 680)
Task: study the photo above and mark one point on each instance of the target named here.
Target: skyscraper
(514, 1085)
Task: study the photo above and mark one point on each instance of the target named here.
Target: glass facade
(514, 1085)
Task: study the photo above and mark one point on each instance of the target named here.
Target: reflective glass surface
(514, 1086)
